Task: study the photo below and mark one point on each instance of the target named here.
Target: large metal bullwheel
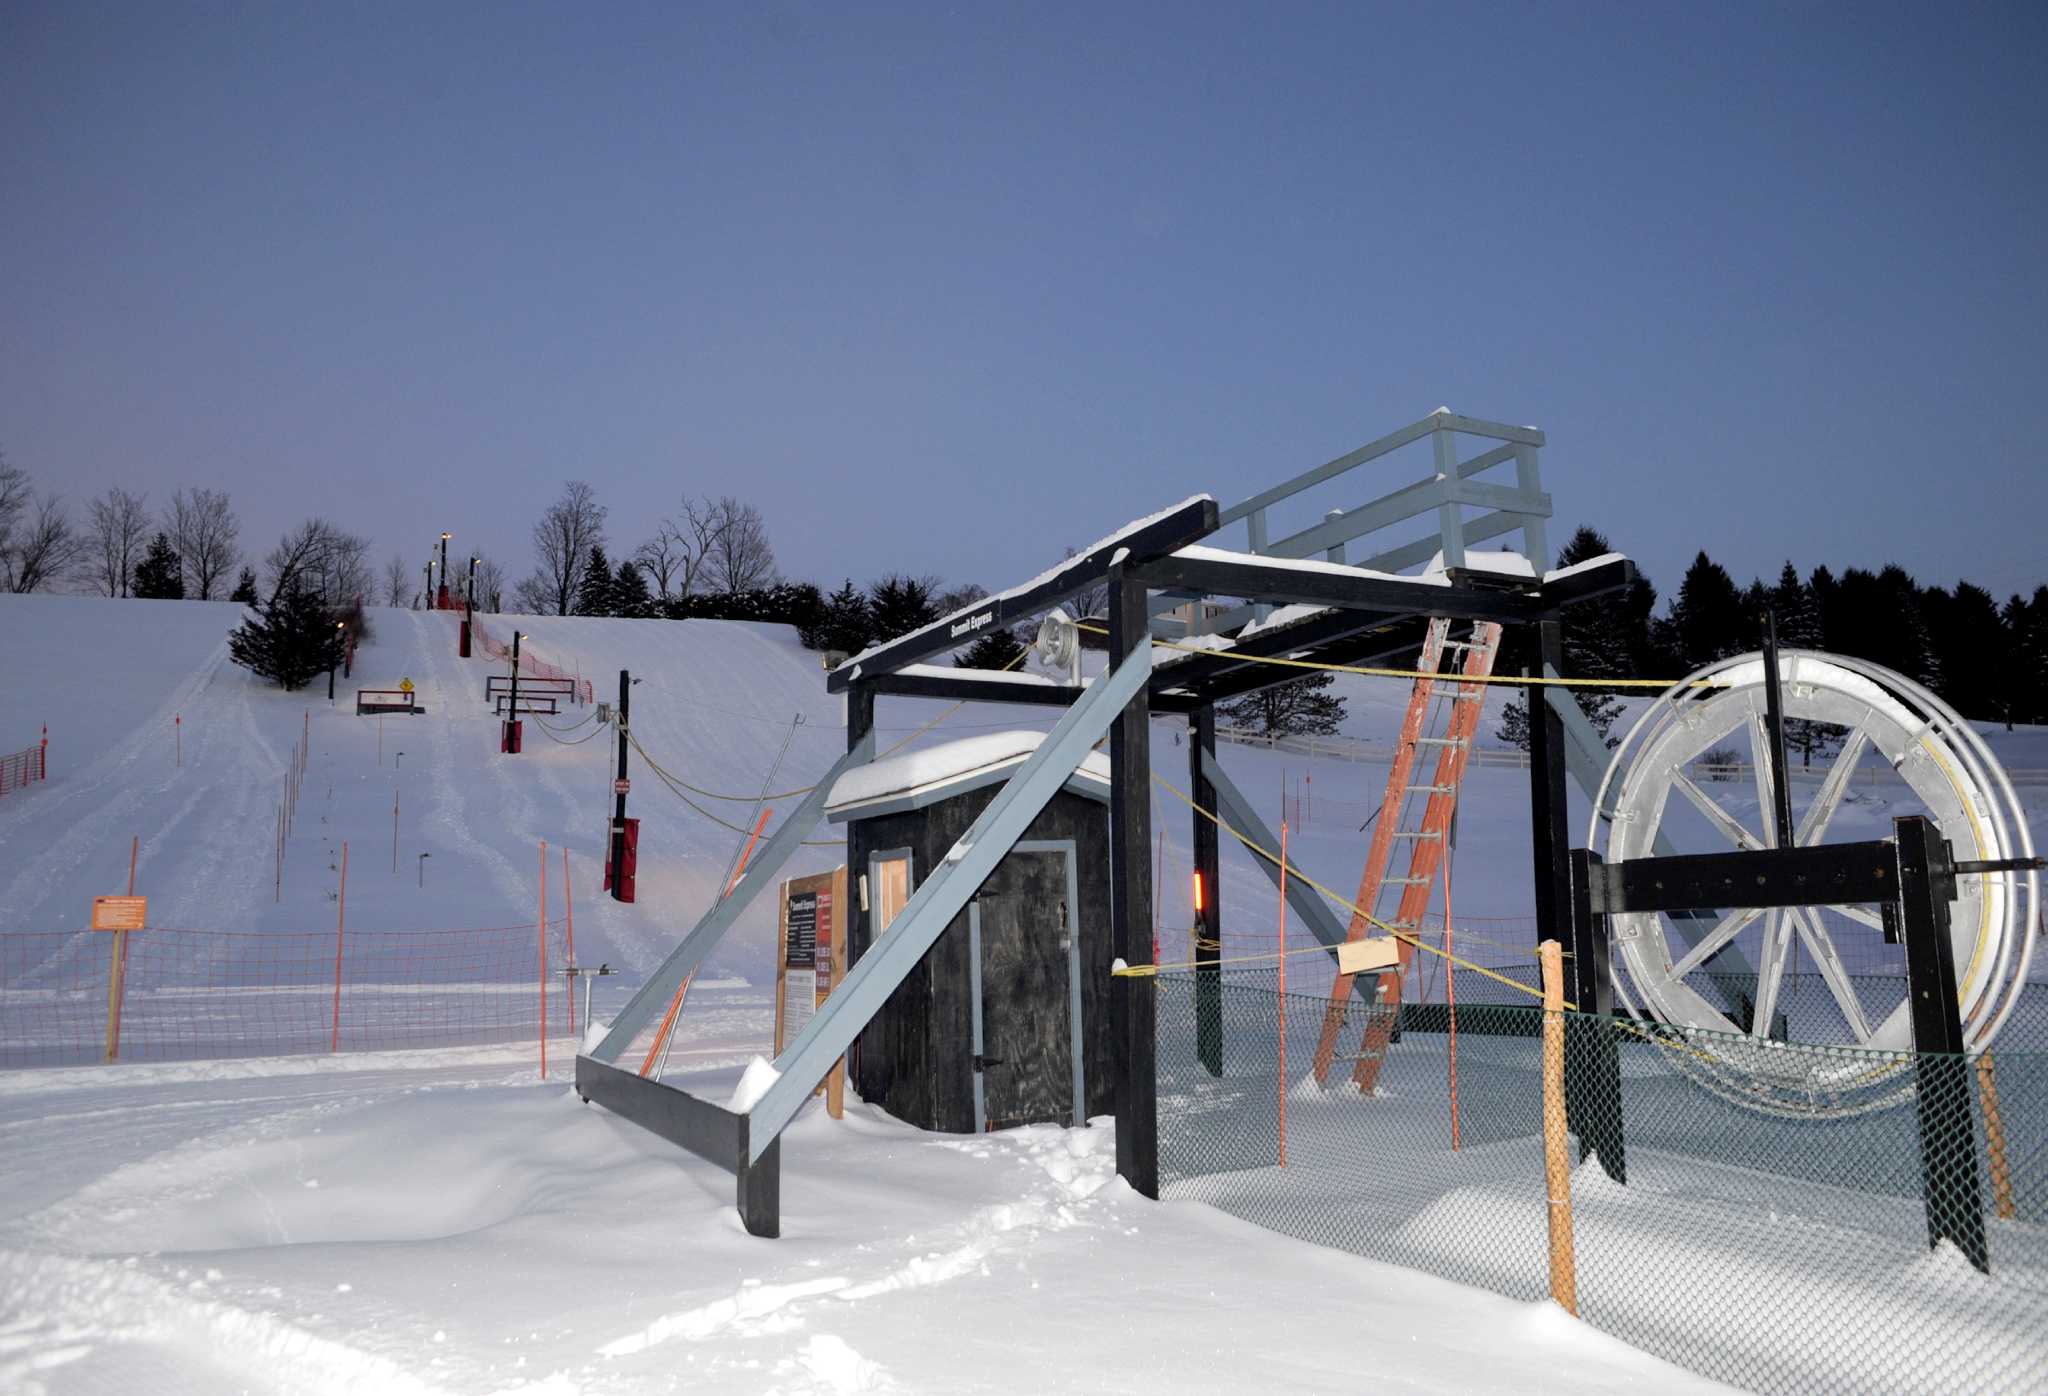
(1734, 991)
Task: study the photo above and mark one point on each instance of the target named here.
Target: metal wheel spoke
(1760, 763)
(1862, 915)
(1727, 823)
(1829, 962)
(1813, 825)
(1724, 931)
(1770, 973)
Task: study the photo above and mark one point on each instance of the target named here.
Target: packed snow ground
(449, 1223)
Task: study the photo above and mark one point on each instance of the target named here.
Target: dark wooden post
(1134, 1005)
(860, 720)
(617, 863)
(1547, 809)
(1208, 894)
(1592, 1082)
(1947, 1109)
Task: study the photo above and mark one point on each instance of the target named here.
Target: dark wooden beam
(1208, 917)
(1261, 579)
(1161, 537)
(954, 690)
(1134, 1005)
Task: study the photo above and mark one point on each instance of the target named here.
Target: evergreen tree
(245, 588)
(1820, 591)
(158, 577)
(898, 605)
(1798, 626)
(289, 640)
(1607, 638)
(1707, 621)
(597, 595)
(1798, 618)
(2026, 686)
(630, 596)
(1971, 647)
(1299, 707)
(998, 648)
(847, 626)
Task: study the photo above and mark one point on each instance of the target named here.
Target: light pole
(423, 868)
(509, 741)
(468, 611)
(427, 596)
(340, 639)
(443, 599)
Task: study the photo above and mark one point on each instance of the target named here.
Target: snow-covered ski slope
(715, 703)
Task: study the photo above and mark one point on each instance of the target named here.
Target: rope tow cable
(1344, 903)
(1512, 680)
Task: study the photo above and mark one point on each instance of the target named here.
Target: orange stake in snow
(1283, 993)
(1451, 991)
(675, 1005)
(569, 915)
(543, 959)
(340, 925)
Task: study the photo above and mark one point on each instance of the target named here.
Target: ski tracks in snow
(1065, 1170)
(199, 860)
(117, 1320)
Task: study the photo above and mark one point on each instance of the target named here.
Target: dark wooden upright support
(1208, 895)
(860, 720)
(1592, 1062)
(1552, 837)
(1947, 1109)
(1134, 1005)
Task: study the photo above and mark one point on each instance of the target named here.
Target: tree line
(1988, 661)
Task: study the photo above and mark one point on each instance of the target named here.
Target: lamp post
(427, 596)
(442, 600)
(340, 639)
(509, 740)
(473, 561)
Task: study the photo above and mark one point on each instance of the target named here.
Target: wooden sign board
(1364, 956)
(810, 957)
(119, 913)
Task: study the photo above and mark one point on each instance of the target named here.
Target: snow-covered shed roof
(930, 774)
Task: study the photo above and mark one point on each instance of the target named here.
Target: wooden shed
(1005, 1021)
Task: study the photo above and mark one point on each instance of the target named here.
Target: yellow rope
(1148, 971)
(1513, 680)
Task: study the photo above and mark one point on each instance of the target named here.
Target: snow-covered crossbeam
(1153, 536)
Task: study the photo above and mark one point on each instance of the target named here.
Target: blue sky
(947, 288)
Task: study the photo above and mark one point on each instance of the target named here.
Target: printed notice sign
(811, 954)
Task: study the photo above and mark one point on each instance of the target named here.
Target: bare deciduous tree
(17, 492)
(666, 558)
(322, 559)
(203, 531)
(117, 529)
(490, 585)
(534, 596)
(40, 549)
(736, 555)
(397, 581)
(571, 527)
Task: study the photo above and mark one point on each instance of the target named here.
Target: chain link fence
(1755, 1212)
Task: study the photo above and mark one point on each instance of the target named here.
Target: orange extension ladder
(1425, 839)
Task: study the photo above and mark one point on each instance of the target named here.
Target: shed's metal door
(1028, 964)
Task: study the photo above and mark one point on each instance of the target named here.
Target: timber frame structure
(1154, 571)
